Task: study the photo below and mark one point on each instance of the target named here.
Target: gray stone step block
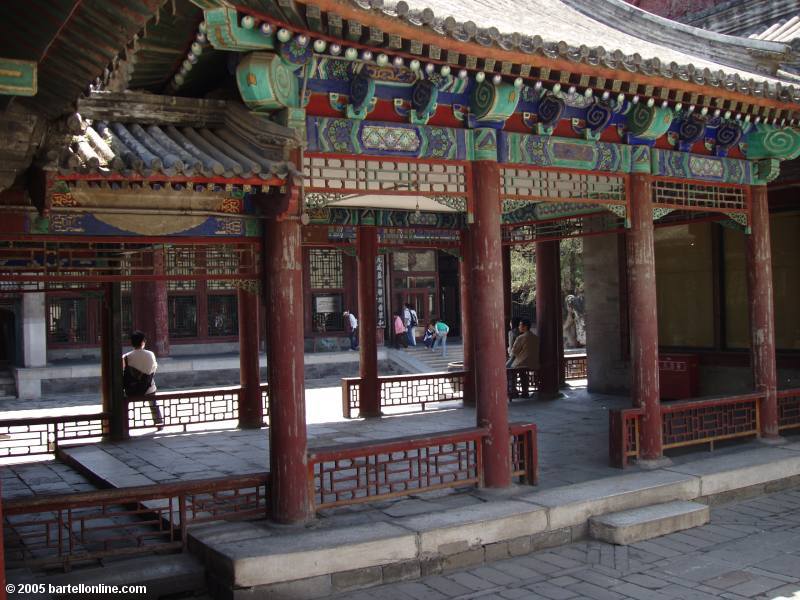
(573, 504)
(720, 474)
(251, 562)
(162, 575)
(457, 530)
(638, 524)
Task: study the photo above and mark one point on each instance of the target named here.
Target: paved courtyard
(751, 549)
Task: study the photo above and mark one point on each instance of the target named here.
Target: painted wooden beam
(18, 77)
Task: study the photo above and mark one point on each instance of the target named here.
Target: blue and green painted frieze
(546, 151)
(356, 137)
(668, 163)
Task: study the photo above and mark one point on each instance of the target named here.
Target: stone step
(631, 526)
(163, 576)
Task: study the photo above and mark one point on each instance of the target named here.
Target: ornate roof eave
(420, 34)
(761, 56)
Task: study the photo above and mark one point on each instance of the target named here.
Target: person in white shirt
(143, 364)
(353, 325)
(411, 324)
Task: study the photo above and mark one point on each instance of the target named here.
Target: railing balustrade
(406, 390)
(43, 435)
(788, 409)
(686, 423)
(192, 407)
(88, 526)
(576, 367)
(355, 473)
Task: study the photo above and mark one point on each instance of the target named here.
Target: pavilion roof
(142, 136)
(604, 33)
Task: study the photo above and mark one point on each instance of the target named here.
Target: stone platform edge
(258, 563)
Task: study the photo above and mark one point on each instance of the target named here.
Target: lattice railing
(576, 367)
(788, 409)
(524, 452)
(193, 407)
(686, 423)
(87, 526)
(685, 195)
(43, 435)
(521, 382)
(406, 390)
(325, 175)
(350, 474)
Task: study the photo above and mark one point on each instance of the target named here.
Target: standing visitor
(399, 331)
(413, 321)
(525, 354)
(441, 330)
(138, 367)
(352, 327)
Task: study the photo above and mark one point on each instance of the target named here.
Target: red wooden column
(643, 315)
(487, 328)
(251, 413)
(548, 316)
(507, 285)
(111, 351)
(288, 445)
(762, 310)
(149, 302)
(369, 396)
(465, 289)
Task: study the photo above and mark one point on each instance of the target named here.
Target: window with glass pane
(684, 285)
(222, 315)
(221, 260)
(414, 261)
(182, 316)
(66, 321)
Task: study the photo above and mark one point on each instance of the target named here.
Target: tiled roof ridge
(140, 150)
(736, 79)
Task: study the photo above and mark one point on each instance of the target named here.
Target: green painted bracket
(267, 83)
(225, 33)
(649, 122)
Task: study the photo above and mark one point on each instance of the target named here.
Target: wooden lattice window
(326, 276)
(695, 196)
(182, 316)
(180, 261)
(67, 320)
(390, 176)
(222, 315)
(560, 186)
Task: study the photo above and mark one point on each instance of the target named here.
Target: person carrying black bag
(139, 366)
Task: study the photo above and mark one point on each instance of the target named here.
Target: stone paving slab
(705, 573)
